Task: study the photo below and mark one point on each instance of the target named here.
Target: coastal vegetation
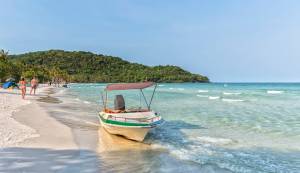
(79, 66)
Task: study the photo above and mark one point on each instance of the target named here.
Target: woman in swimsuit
(22, 86)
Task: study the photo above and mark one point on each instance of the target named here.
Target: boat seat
(119, 103)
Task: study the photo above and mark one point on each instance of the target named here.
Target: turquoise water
(235, 127)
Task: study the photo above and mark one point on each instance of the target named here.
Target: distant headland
(84, 67)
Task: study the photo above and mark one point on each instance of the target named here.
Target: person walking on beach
(34, 84)
(22, 86)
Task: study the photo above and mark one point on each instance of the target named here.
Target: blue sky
(227, 40)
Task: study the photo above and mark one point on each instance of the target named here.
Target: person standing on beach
(22, 86)
(34, 84)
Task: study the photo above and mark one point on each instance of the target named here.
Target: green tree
(79, 66)
(3, 55)
(5, 65)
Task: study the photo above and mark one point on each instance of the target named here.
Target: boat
(132, 123)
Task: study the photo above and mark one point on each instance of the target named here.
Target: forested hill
(81, 66)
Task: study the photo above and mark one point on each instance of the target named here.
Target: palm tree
(3, 55)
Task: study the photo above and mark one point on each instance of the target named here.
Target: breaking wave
(198, 95)
(274, 92)
(202, 91)
(213, 97)
(232, 100)
(228, 93)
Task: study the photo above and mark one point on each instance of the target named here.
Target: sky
(226, 40)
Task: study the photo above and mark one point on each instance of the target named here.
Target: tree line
(79, 66)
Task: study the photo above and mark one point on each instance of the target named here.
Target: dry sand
(23, 123)
(33, 141)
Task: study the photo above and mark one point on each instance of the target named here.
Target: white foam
(232, 100)
(202, 91)
(178, 89)
(61, 91)
(86, 102)
(198, 95)
(228, 93)
(213, 97)
(185, 154)
(218, 141)
(274, 92)
(161, 85)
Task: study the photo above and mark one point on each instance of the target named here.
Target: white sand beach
(13, 132)
(23, 123)
(33, 141)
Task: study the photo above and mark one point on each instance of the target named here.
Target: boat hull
(133, 133)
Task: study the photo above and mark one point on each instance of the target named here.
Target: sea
(209, 127)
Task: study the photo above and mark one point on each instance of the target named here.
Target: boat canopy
(129, 86)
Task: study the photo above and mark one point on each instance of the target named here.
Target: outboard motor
(119, 103)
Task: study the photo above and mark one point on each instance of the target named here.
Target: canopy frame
(130, 86)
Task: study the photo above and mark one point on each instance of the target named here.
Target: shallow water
(209, 127)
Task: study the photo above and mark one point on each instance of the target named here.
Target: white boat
(131, 123)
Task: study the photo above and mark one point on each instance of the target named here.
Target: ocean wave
(86, 102)
(218, 141)
(202, 91)
(185, 154)
(228, 93)
(180, 89)
(213, 97)
(161, 85)
(232, 100)
(274, 92)
(198, 95)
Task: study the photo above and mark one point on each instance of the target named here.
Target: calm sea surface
(222, 127)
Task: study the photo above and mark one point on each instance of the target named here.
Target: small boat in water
(133, 123)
